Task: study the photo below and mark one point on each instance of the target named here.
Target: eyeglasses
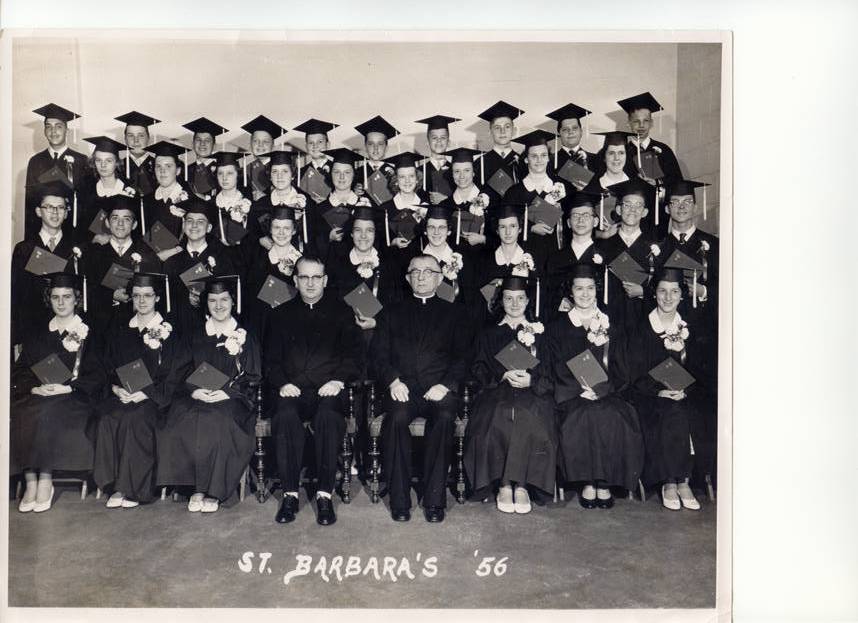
(54, 209)
(305, 279)
(633, 207)
(685, 203)
(580, 217)
(425, 272)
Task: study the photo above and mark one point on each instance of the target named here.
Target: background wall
(347, 83)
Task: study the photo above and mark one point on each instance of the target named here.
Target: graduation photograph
(369, 323)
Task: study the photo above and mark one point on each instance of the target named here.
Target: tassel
(526, 222)
(605, 287)
(694, 285)
(424, 176)
(375, 284)
(74, 210)
(704, 203)
(167, 290)
(537, 297)
(238, 293)
(84, 291)
(365, 182)
(556, 149)
(559, 227)
(482, 169)
(299, 171)
(244, 170)
(304, 226)
(386, 228)
(142, 217)
(657, 197)
(458, 226)
(128, 164)
(220, 223)
(640, 165)
(602, 213)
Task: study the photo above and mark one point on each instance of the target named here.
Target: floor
(636, 555)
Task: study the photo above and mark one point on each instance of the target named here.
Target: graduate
(105, 183)
(640, 109)
(436, 230)
(138, 165)
(232, 210)
(30, 261)
(377, 132)
(467, 203)
(51, 407)
(125, 436)
(511, 439)
(107, 267)
(208, 438)
(201, 253)
(263, 132)
(316, 143)
(165, 205)
(58, 162)
(405, 210)
(280, 168)
(437, 175)
(601, 445)
(679, 425)
(570, 133)
(544, 238)
(501, 157)
(201, 176)
(418, 350)
(313, 347)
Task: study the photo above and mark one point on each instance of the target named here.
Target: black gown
(51, 433)
(600, 440)
(513, 165)
(320, 239)
(469, 251)
(256, 312)
(259, 222)
(76, 173)
(511, 436)
(141, 177)
(240, 237)
(202, 178)
(89, 203)
(125, 436)
(542, 246)
(559, 270)
(208, 446)
(166, 211)
(258, 179)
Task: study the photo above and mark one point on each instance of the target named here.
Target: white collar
(517, 257)
(572, 150)
(45, 236)
(508, 322)
(75, 322)
(605, 181)
(644, 143)
(141, 159)
(402, 204)
(444, 255)
(322, 162)
(503, 152)
(205, 161)
(439, 164)
(170, 192)
(579, 250)
(52, 151)
(351, 200)
(658, 327)
(688, 233)
(541, 186)
(356, 259)
(467, 196)
(290, 253)
(200, 250)
(125, 246)
(577, 319)
(423, 299)
(154, 320)
(283, 197)
(630, 240)
(211, 329)
(102, 191)
(262, 160)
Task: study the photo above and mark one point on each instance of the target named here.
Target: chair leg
(163, 493)
(98, 493)
(261, 489)
(175, 496)
(642, 490)
(631, 495)
(460, 469)
(709, 489)
(242, 485)
(84, 488)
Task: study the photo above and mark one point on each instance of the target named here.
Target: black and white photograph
(355, 323)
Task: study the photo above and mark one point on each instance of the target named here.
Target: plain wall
(347, 83)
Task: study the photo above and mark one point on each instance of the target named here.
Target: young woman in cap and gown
(233, 222)
(601, 445)
(201, 177)
(125, 436)
(165, 204)
(679, 425)
(468, 205)
(612, 167)
(95, 196)
(208, 438)
(50, 422)
(138, 165)
(511, 438)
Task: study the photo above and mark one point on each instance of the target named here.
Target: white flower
(525, 337)
(75, 337)
(537, 327)
(704, 245)
(558, 190)
(364, 202)
(77, 252)
(656, 149)
(128, 191)
(212, 262)
(364, 270)
(479, 204)
(598, 330)
(597, 259)
(674, 339)
(655, 250)
(234, 341)
(71, 345)
(151, 342)
(683, 333)
(286, 266)
(69, 158)
(136, 258)
(300, 201)
(177, 211)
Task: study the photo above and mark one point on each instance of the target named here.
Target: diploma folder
(439, 182)
(650, 165)
(337, 217)
(627, 269)
(678, 259)
(43, 262)
(516, 356)
(159, 238)
(98, 225)
(488, 291)
(206, 376)
(575, 174)
(134, 376)
(446, 292)
(376, 187)
(672, 375)
(403, 225)
(541, 211)
(500, 181)
(117, 277)
(362, 299)
(194, 273)
(469, 223)
(313, 183)
(587, 370)
(51, 369)
(275, 291)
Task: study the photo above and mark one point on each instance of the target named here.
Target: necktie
(52, 243)
(55, 156)
(580, 157)
(195, 254)
(120, 250)
(682, 238)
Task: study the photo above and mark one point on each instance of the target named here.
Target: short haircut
(424, 256)
(309, 259)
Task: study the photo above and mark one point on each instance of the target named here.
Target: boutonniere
(704, 246)
(523, 268)
(419, 212)
(656, 149)
(557, 192)
(76, 255)
(234, 341)
(69, 158)
(528, 332)
(286, 266)
(240, 210)
(479, 204)
(300, 201)
(128, 191)
(155, 336)
(451, 269)
(212, 262)
(654, 252)
(177, 211)
(136, 259)
(674, 339)
(597, 259)
(598, 330)
(74, 338)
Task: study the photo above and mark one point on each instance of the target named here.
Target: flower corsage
(557, 192)
(523, 268)
(155, 336)
(451, 269)
(74, 338)
(479, 204)
(234, 341)
(597, 333)
(674, 339)
(528, 332)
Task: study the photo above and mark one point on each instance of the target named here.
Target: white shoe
(41, 507)
(26, 507)
(126, 503)
(115, 500)
(210, 505)
(195, 504)
(669, 498)
(686, 497)
(522, 501)
(504, 500)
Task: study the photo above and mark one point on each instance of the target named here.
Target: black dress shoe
(400, 514)
(288, 509)
(585, 503)
(325, 514)
(609, 503)
(434, 514)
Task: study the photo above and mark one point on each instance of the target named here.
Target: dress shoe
(686, 497)
(41, 507)
(587, 503)
(505, 499)
(115, 500)
(210, 505)
(195, 503)
(26, 507)
(607, 502)
(522, 501)
(669, 497)
(434, 514)
(126, 503)
(288, 509)
(325, 514)
(400, 514)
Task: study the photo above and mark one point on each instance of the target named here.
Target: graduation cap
(343, 156)
(195, 205)
(263, 124)
(584, 270)
(137, 118)
(52, 111)
(640, 101)
(500, 109)
(506, 210)
(462, 154)
(439, 212)
(364, 213)
(67, 280)
(515, 283)
(205, 126)
(405, 160)
(166, 148)
(583, 199)
(282, 213)
(377, 124)
(535, 138)
(616, 137)
(53, 189)
(216, 284)
(438, 122)
(569, 111)
(159, 282)
(280, 157)
(632, 186)
(669, 273)
(106, 144)
(122, 202)
(226, 158)
(684, 187)
(315, 126)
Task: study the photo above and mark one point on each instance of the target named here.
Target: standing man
(263, 133)
(640, 108)
(569, 130)
(439, 178)
(316, 136)
(501, 157)
(312, 351)
(419, 350)
(201, 174)
(56, 163)
(376, 133)
(138, 166)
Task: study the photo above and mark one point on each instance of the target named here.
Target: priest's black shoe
(434, 514)
(288, 509)
(325, 514)
(400, 514)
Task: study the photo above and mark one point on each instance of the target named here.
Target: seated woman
(601, 445)
(208, 438)
(125, 437)
(54, 382)
(679, 425)
(280, 170)
(511, 438)
(95, 196)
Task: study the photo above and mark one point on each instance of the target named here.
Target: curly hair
(78, 298)
(496, 310)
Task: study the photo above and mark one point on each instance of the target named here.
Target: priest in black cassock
(56, 163)
(312, 351)
(201, 174)
(419, 352)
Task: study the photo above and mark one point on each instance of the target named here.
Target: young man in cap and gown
(201, 175)
(138, 165)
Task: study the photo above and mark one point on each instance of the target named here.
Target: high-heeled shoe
(41, 507)
(26, 507)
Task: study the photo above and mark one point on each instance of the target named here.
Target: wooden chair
(61, 480)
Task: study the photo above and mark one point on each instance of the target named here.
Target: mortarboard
(439, 212)
(569, 111)
(280, 157)
(343, 156)
(226, 158)
(673, 275)
(584, 270)
(616, 137)
(405, 160)
(282, 212)
(532, 139)
(137, 118)
(506, 210)
(106, 144)
(216, 284)
(364, 213)
(684, 187)
(462, 154)
(159, 282)
(205, 126)
(377, 124)
(500, 109)
(438, 122)
(122, 202)
(315, 126)
(53, 189)
(583, 199)
(263, 124)
(68, 280)
(637, 102)
(632, 186)
(514, 282)
(195, 205)
(166, 148)
(52, 111)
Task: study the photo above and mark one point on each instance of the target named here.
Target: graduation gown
(142, 176)
(54, 433)
(76, 173)
(207, 446)
(493, 266)
(320, 238)
(558, 272)
(125, 436)
(90, 203)
(167, 211)
(600, 440)
(240, 237)
(202, 179)
(400, 258)
(542, 246)
(664, 154)
(258, 179)
(511, 436)
(512, 164)
(360, 179)
(259, 222)
(439, 180)
(467, 250)
(586, 159)
(257, 313)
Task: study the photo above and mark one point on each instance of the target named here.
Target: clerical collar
(423, 299)
(314, 303)
(676, 233)
(630, 240)
(203, 245)
(580, 248)
(53, 325)
(45, 236)
(134, 323)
